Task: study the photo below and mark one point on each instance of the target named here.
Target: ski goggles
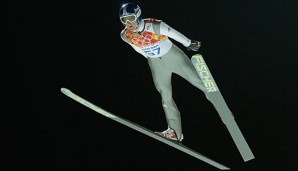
(130, 18)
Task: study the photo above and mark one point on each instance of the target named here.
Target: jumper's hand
(194, 45)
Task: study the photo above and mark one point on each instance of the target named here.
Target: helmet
(130, 12)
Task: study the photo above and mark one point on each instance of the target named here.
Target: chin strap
(136, 30)
(141, 24)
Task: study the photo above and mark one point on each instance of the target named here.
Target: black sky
(249, 46)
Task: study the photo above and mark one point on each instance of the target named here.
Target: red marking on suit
(144, 39)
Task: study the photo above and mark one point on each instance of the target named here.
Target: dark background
(249, 46)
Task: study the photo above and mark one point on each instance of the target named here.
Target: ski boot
(170, 134)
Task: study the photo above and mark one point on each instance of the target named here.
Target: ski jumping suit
(164, 58)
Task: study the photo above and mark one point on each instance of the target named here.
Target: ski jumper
(164, 58)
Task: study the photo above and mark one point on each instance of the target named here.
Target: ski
(143, 130)
(221, 106)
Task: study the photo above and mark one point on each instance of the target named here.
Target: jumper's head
(130, 15)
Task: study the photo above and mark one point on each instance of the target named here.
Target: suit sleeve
(174, 34)
(139, 50)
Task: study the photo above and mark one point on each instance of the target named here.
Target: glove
(194, 45)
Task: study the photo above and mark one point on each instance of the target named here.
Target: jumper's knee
(166, 99)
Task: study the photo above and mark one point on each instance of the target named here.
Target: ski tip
(64, 90)
(249, 158)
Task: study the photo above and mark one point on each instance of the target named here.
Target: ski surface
(143, 130)
(221, 106)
